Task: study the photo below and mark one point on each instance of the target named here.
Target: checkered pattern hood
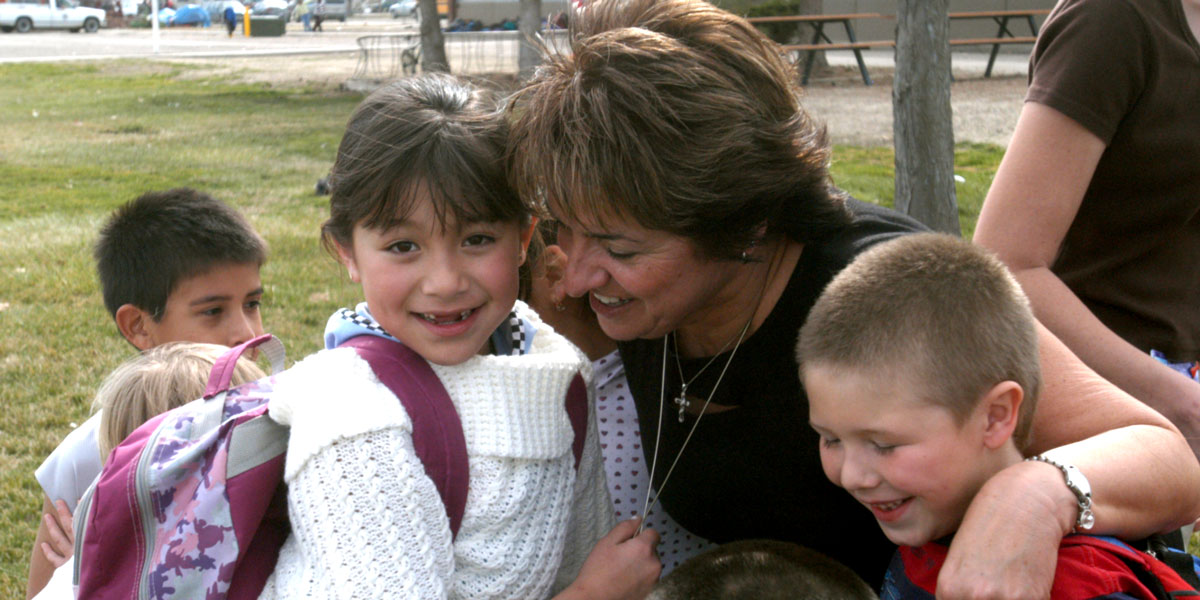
(513, 337)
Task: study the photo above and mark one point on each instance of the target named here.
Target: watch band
(1078, 484)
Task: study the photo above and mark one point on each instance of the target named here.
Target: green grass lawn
(80, 140)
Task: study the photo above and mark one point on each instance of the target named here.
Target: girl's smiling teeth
(446, 318)
(609, 300)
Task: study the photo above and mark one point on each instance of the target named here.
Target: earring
(560, 307)
(745, 257)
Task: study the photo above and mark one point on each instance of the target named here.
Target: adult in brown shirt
(1096, 205)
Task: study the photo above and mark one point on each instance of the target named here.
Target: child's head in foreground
(155, 381)
(920, 362)
(423, 216)
(761, 570)
(180, 265)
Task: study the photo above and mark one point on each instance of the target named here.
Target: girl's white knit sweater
(368, 523)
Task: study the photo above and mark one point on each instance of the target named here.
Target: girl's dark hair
(430, 136)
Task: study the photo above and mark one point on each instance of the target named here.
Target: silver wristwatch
(1078, 484)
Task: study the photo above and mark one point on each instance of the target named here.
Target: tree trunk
(433, 45)
(922, 120)
(529, 24)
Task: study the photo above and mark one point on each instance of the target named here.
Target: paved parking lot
(49, 46)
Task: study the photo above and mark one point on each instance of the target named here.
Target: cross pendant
(682, 402)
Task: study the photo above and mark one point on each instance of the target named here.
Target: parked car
(274, 8)
(334, 9)
(216, 8)
(24, 16)
(403, 8)
(191, 14)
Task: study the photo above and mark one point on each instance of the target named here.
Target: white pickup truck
(27, 15)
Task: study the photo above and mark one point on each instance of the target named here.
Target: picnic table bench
(1003, 34)
(821, 42)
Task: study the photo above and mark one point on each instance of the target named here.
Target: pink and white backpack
(192, 504)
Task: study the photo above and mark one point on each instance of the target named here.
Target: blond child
(921, 364)
(162, 378)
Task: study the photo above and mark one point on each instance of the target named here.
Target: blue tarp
(192, 14)
(165, 15)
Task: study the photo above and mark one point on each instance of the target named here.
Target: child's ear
(346, 255)
(1002, 409)
(133, 323)
(526, 237)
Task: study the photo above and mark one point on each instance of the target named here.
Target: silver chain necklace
(662, 400)
(681, 401)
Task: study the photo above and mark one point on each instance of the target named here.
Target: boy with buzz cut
(174, 266)
(921, 364)
(760, 569)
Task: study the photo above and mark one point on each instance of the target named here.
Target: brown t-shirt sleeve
(1090, 63)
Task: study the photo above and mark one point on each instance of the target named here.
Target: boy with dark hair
(176, 265)
(762, 570)
(921, 364)
(181, 265)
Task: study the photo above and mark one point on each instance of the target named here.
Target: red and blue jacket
(1089, 568)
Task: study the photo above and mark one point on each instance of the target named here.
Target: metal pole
(154, 24)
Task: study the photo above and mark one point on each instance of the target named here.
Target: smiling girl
(422, 216)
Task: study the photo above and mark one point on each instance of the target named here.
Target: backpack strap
(577, 411)
(222, 371)
(1183, 563)
(437, 430)
(1161, 579)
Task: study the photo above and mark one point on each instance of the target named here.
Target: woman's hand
(1007, 545)
(622, 566)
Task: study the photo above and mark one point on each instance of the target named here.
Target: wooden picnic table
(1003, 34)
(820, 41)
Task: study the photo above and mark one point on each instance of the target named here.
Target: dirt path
(985, 110)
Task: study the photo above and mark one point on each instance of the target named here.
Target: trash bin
(267, 26)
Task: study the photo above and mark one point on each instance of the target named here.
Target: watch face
(1078, 483)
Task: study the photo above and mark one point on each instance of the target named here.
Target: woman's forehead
(588, 217)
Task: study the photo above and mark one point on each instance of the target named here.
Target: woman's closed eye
(619, 255)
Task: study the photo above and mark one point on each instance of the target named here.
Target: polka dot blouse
(624, 464)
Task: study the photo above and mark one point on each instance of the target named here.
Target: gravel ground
(985, 110)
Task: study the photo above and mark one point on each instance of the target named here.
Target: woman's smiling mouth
(611, 301)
